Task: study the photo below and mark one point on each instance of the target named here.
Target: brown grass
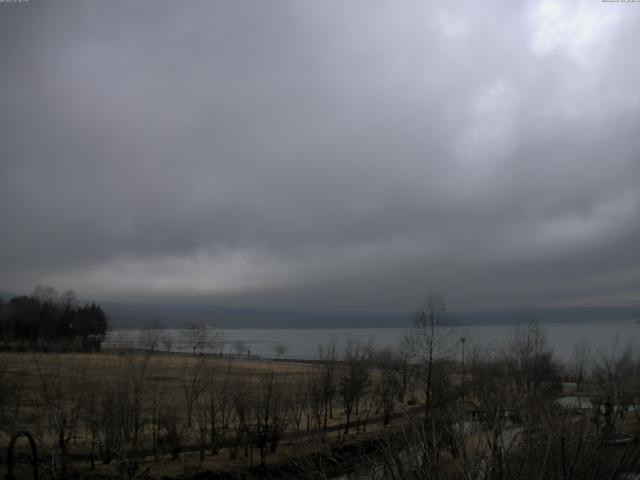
(164, 373)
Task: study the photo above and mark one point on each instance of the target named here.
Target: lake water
(603, 336)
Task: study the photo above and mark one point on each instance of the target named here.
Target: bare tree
(167, 342)
(530, 359)
(404, 355)
(239, 346)
(157, 398)
(298, 399)
(89, 415)
(387, 385)
(431, 340)
(11, 393)
(122, 411)
(150, 340)
(170, 434)
(270, 412)
(580, 360)
(216, 341)
(327, 355)
(68, 299)
(203, 421)
(408, 454)
(316, 398)
(219, 405)
(243, 405)
(616, 372)
(192, 383)
(354, 377)
(196, 337)
(279, 350)
(45, 293)
(60, 405)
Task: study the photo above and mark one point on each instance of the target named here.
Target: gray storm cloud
(320, 155)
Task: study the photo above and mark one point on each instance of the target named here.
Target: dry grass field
(155, 405)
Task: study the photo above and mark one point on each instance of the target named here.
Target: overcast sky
(322, 155)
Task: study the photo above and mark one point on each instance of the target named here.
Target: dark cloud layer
(322, 155)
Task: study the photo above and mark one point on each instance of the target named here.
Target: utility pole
(462, 341)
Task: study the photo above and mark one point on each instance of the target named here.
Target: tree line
(47, 320)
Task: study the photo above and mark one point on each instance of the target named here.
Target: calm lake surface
(603, 336)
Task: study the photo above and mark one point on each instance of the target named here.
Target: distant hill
(176, 315)
(549, 315)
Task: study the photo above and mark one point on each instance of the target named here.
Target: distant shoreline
(379, 327)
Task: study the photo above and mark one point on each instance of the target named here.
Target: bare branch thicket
(531, 361)
(243, 405)
(389, 367)
(11, 396)
(157, 396)
(409, 452)
(192, 384)
(617, 374)
(580, 359)
(404, 354)
(270, 412)
(558, 443)
(90, 416)
(58, 408)
(470, 435)
(122, 412)
(367, 406)
(298, 392)
(532, 375)
(219, 405)
(632, 396)
(328, 356)
(202, 423)
(354, 376)
(514, 431)
(316, 399)
(506, 426)
(171, 434)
